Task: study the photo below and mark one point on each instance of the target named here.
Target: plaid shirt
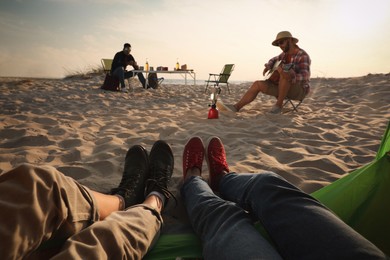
(301, 62)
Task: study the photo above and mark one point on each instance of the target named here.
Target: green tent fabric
(361, 199)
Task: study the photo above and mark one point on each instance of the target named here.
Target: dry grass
(84, 74)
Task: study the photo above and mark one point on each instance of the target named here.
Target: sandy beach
(84, 132)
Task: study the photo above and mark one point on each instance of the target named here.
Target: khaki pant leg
(296, 92)
(122, 235)
(38, 203)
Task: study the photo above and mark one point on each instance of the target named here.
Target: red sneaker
(216, 160)
(193, 155)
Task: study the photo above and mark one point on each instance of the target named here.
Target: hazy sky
(50, 38)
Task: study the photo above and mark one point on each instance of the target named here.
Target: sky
(55, 38)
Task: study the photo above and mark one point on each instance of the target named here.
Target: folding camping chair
(222, 77)
(110, 83)
(295, 106)
(295, 103)
(106, 64)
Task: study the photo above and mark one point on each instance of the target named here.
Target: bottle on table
(147, 65)
(177, 65)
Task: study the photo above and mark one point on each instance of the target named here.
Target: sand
(84, 132)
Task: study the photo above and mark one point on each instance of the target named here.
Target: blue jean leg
(140, 76)
(300, 226)
(226, 230)
(120, 74)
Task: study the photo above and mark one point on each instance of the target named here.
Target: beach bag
(153, 80)
(110, 83)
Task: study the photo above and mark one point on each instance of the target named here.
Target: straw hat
(283, 35)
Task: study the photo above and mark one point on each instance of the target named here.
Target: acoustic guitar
(273, 73)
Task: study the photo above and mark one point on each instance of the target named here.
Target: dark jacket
(120, 60)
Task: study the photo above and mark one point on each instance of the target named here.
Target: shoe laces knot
(193, 161)
(219, 161)
(158, 182)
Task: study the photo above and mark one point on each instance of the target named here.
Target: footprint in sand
(39, 140)
(12, 133)
(69, 143)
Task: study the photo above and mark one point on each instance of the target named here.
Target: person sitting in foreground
(40, 205)
(290, 78)
(121, 60)
(299, 226)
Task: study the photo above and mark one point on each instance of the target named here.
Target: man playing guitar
(286, 75)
